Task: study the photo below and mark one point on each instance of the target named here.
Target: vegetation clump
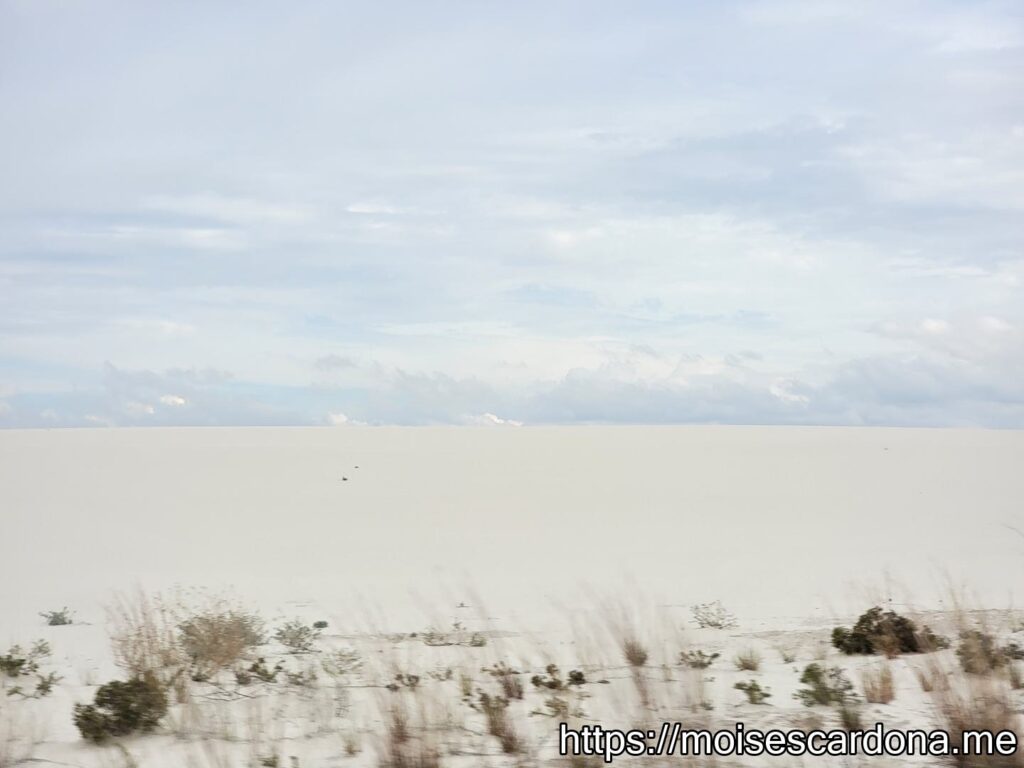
(713, 616)
(122, 708)
(553, 681)
(824, 687)
(217, 639)
(297, 637)
(697, 659)
(18, 662)
(979, 654)
(885, 632)
(755, 693)
(61, 618)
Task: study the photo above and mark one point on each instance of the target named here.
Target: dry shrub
(748, 660)
(878, 685)
(634, 652)
(975, 703)
(218, 638)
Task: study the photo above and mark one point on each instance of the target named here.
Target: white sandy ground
(535, 529)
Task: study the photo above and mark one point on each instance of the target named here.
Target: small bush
(978, 653)
(342, 662)
(320, 624)
(297, 637)
(697, 659)
(748, 660)
(60, 618)
(713, 616)
(755, 693)
(634, 652)
(122, 708)
(878, 685)
(508, 678)
(824, 687)
(218, 639)
(18, 662)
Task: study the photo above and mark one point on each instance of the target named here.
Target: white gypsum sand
(555, 544)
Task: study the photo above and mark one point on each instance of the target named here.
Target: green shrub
(553, 679)
(60, 618)
(697, 659)
(825, 687)
(755, 693)
(320, 624)
(297, 637)
(878, 631)
(18, 662)
(122, 708)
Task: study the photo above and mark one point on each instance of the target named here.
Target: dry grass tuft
(877, 683)
(144, 640)
(634, 652)
(748, 660)
(404, 746)
(978, 704)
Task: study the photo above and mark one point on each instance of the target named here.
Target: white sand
(533, 527)
(771, 520)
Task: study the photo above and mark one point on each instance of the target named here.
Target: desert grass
(877, 683)
(406, 743)
(748, 660)
(787, 654)
(144, 639)
(978, 703)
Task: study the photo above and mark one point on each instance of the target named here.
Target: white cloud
(490, 420)
(173, 400)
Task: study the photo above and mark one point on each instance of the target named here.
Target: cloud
(810, 212)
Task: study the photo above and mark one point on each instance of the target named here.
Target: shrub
(320, 624)
(697, 659)
(218, 639)
(713, 616)
(878, 685)
(60, 618)
(258, 670)
(824, 687)
(755, 693)
(122, 708)
(297, 637)
(18, 662)
(508, 678)
(748, 660)
(878, 631)
(341, 662)
(978, 652)
(634, 652)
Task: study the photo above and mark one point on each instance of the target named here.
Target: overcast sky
(537, 212)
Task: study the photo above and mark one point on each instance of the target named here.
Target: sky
(511, 213)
